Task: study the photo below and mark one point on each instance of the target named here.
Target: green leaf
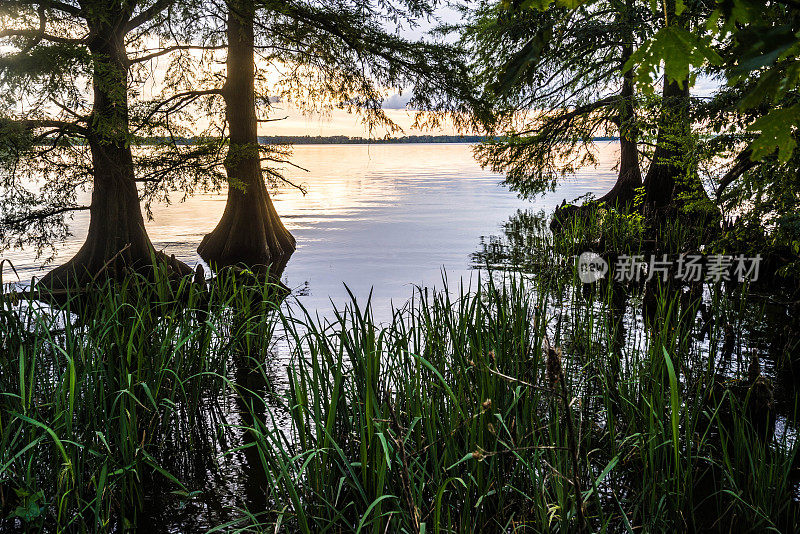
(674, 402)
(775, 133)
(678, 49)
(531, 4)
(571, 4)
(372, 505)
(386, 449)
(30, 509)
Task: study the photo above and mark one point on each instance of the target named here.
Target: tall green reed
(112, 395)
(446, 419)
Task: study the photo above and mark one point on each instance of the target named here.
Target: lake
(375, 217)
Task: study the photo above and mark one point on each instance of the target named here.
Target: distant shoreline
(345, 140)
(332, 140)
(336, 140)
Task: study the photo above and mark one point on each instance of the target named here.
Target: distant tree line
(345, 140)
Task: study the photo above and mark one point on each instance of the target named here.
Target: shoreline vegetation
(337, 140)
(341, 139)
(347, 140)
(525, 402)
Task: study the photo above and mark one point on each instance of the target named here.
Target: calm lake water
(380, 217)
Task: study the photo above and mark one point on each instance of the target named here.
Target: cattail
(554, 370)
(199, 274)
(729, 343)
(754, 369)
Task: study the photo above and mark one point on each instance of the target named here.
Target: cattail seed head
(554, 369)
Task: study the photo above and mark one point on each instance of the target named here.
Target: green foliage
(109, 404)
(678, 50)
(320, 57)
(546, 70)
(773, 133)
(454, 404)
(450, 407)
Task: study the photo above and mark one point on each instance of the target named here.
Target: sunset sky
(339, 122)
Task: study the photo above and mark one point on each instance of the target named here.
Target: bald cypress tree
(339, 55)
(129, 149)
(60, 136)
(557, 79)
(250, 231)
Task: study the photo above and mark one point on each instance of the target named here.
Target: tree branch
(148, 14)
(62, 6)
(78, 117)
(580, 110)
(273, 120)
(75, 11)
(62, 125)
(37, 35)
(184, 99)
(282, 178)
(32, 124)
(741, 165)
(170, 49)
(39, 215)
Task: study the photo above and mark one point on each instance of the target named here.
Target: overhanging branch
(39, 215)
(148, 14)
(557, 121)
(37, 35)
(741, 165)
(171, 49)
(33, 124)
(75, 11)
(177, 101)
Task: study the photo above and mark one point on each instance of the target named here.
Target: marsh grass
(115, 394)
(514, 405)
(461, 415)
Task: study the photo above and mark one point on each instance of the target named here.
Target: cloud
(396, 101)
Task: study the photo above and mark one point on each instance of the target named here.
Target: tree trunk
(669, 157)
(117, 240)
(630, 176)
(629, 179)
(669, 173)
(250, 231)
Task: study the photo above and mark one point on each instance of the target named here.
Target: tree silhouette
(70, 73)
